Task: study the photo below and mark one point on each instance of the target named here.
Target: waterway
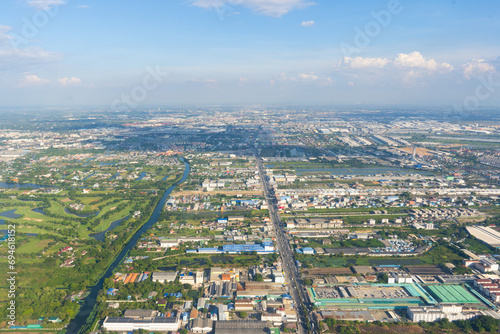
(101, 235)
(88, 304)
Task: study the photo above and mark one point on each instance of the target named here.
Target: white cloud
(477, 67)
(24, 58)
(32, 80)
(84, 6)
(307, 23)
(275, 8)
(45, 4)
(4, 37)
(73, 81)
(308, 77)
(360, 62)
(242, 81)
(416, 60)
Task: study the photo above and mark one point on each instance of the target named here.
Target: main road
(296, 286)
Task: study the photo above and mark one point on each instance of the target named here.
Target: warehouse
(486, 235)
(125, 324)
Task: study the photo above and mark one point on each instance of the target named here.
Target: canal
(80, 320)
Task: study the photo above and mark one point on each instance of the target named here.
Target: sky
(131, 53)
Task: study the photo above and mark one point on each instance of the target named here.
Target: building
(164, 276)
(272, 317)
(278, 276)
(485, 234)
(202, 325)
(241, 327)
(486, 265)
(243, 305)
(434, 313)
(400, 278)
(125, 324)
(140, 314)
(265, 247)
(169, 243)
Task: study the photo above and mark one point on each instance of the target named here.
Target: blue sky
(77, 52)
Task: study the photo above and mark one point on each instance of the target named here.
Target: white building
(169, 243)
(486, 265)
(201, 325)
(433, 313)
(278, 276)
(124, 324)
(164, 276)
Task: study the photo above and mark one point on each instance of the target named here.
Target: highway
(292, 275)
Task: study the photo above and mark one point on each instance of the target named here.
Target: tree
(259, 278)
(242, 314)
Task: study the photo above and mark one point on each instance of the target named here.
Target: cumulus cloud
(275, 8)
(45, 4)
(413, 62)
(307, 23)
(477, 67)
(416, 60)
(308, 76)
(73, 81)
(32, 80)
(360, 62)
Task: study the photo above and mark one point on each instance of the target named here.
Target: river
(80, 319)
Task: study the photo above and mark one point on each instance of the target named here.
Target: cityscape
(249, 167)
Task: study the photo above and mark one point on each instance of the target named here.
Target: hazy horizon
(293, 52)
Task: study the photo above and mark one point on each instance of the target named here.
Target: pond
(10, 214)
(21, 185)
(86, 177)
(81, 215)
(141, 176)
(114, 176)
(101, 235)
(39, 210)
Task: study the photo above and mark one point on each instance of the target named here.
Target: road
(292, 275)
